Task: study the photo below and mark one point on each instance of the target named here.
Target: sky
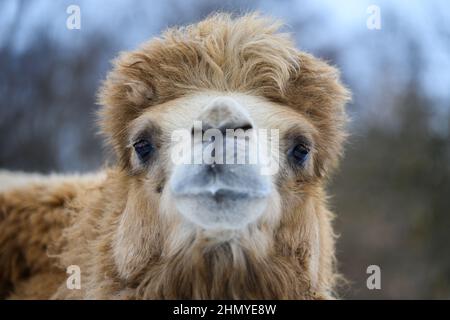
(411, 30)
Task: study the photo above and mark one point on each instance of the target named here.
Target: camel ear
(126, 92)
(318, 93)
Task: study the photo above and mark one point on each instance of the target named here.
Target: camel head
(224, 133)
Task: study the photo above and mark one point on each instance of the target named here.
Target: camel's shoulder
(13, 180)
(34, 209)
(32, 189)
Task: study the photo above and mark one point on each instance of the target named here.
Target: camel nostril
(244, 127)
(195, 130)
(223, 128)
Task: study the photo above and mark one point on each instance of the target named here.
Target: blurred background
(392, 194)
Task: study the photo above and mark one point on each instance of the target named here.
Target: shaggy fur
(120, 226)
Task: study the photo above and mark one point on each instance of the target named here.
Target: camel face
(216, 158)
(216, 186)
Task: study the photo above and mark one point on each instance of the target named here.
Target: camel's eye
(144, 149)
(299, 153)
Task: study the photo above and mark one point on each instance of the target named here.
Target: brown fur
(112, 226)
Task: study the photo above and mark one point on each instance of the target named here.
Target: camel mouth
(223, 199)
(222, 210)
(222, 193)
(230, 198)
(219, 207)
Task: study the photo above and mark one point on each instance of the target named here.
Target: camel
(149, 227)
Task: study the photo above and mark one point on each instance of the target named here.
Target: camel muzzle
(217, 186)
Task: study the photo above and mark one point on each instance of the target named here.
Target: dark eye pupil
(299, 153)
(143, 149)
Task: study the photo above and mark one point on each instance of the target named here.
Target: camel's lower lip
(221, 209)
(223, 192)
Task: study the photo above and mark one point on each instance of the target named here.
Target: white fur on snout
(232, 213)
(229, 200)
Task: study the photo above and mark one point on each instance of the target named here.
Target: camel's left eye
(299, 153)
(144, 149)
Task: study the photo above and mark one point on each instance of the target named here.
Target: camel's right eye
(144, 149)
